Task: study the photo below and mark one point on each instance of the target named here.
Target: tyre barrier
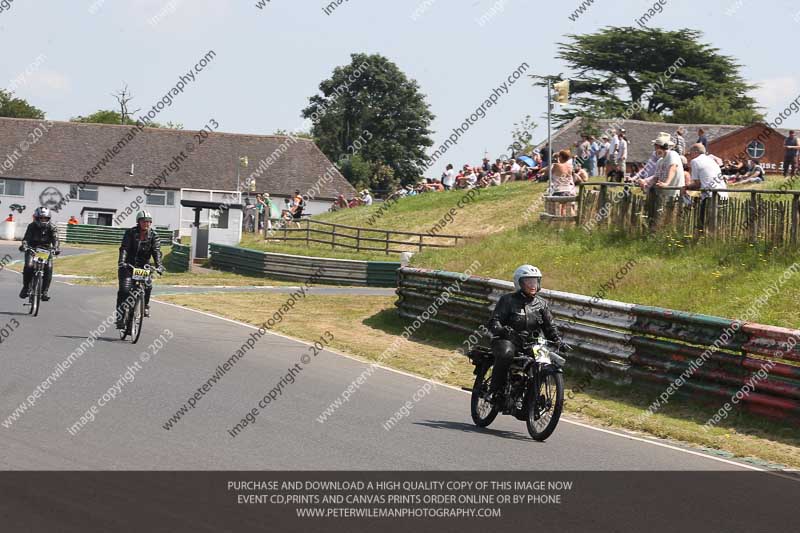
(697, 355)
(301, 268)
(91, 234)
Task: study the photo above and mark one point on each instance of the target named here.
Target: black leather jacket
(44, 236)
(138, 253)
(528, 317)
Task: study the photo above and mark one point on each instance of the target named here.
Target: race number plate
(141, 274)
(42, 256)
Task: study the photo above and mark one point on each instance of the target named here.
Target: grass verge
(101, 264)
(367, 325)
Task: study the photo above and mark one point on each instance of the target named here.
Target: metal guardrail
(301, 268)
(91, 234)
(635, 344)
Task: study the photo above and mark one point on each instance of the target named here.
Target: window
(86, 194)
(98, 219)
(756, 149)
(218, 218)
(161, 198)
(12, 187)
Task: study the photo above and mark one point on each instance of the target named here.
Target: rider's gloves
(56, 252)
(23, 246)
(160, 269)
(122, 264)
(564, 347)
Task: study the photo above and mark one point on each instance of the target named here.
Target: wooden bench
(552, 209)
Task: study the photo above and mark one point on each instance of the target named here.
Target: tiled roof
(68, 150)
(640, 134)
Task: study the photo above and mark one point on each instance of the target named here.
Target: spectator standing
(449, 177)
(622, 155)
(705, 174)
(701, 138)
(791, 146)
(669, 171)
(611, 158)
(679, 141)
(602, 152)
(594, 148)
(584, 149)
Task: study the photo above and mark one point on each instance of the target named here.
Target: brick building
(757, 141)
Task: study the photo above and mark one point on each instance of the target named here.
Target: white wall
(112, 197)
(108, 197)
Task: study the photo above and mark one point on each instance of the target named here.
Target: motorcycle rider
(41, 233)
(518, 319)
(139, 244)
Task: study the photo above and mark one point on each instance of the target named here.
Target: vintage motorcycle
(534, 390)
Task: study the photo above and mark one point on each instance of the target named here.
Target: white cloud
(776, 92)
(48, 80)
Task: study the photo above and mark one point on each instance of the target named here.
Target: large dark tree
(17, 107)
(621, 69)
(372, 103)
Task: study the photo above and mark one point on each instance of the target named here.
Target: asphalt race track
(127, 433)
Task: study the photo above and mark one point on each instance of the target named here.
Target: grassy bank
(366, 326)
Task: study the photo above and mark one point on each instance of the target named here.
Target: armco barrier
(634, 344)
(91, 234)
(301, 268)
(179, 258)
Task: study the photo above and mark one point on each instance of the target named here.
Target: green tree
(107, 116)
(103, 116)
(372, 108)
(17, 107)
(357, 171)
(298, 134)
(649, 73)
(709, 110)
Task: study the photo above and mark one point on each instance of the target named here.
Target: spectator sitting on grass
(752, 172)
(339, 203)
(366, 197)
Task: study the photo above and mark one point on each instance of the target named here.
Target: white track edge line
(568, 421)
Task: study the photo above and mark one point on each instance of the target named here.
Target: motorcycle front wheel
(545, 406)
(483, 412)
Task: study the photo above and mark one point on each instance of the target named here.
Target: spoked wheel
(137, 319)
(36, 295)
(483, 412)
(544, 407)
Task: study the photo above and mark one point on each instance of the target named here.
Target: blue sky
(269, 61)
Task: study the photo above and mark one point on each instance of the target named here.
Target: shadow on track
(461, 426)
(104, 339)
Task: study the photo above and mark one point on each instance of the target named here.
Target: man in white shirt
(515, 169)
(449, 177)
(366, 197)
(611, 159)
(622, 154)
(706, 173)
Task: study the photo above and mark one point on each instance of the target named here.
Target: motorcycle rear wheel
(483, 412)
(545, 406)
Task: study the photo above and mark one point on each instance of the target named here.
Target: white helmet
(527, 271)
